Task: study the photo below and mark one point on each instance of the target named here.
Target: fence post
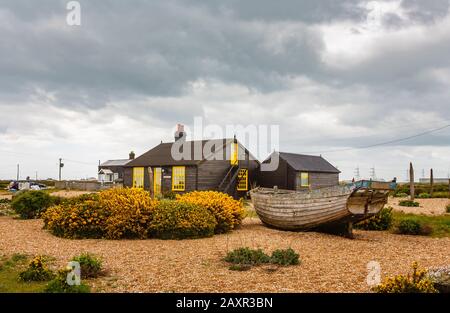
(411, 181)
(431, 183)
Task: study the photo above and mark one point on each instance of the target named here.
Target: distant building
(436, 180)
(112, 171)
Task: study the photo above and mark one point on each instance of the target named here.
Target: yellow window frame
(242, 184)
(178, 178)
(138, 177)
(234, 159)
(304, 176)
(157, 181)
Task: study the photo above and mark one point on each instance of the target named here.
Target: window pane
(304, 179)
(178, 178)
(242, 180)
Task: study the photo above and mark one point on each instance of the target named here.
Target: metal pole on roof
(18, 171)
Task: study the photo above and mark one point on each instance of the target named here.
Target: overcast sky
(334, 75)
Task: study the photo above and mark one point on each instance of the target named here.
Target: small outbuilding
(299, 171)
(111, 171)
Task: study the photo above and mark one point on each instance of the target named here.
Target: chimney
(131, 155)
(179, 133)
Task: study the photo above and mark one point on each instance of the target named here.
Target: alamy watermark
(74, 276)
(374, 273)
(260, 139)
(73, 17)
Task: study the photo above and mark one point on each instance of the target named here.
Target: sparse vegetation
(90, 265)
(448, 208)
(243, 259)
(37, 271)
(439, 190)
(285, 257)
(60, 285)
(417, 282)
(424, 195)
(381, 221)
(409, 203)
(31, 204)
(10, 268)
(425, 225)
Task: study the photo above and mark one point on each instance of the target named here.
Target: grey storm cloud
(127, 49)
(135, 68)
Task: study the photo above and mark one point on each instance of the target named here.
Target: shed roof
(121, 162)
(308, 163)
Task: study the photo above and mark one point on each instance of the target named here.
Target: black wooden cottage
(299, 171)
(224, 165)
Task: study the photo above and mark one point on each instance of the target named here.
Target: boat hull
(305, 210)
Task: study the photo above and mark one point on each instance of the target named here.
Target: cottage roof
(161, 155)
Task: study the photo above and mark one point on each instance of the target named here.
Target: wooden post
(411, 181)
(150, 181)
(431, 183)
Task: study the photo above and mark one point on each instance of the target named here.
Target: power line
(383, 143)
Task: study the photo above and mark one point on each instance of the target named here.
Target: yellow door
(157, 181)
(138, 177)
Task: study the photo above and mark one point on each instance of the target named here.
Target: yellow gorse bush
(129, 212)
(132, 213)
(418, 282)
(227, 211)
(178, 220)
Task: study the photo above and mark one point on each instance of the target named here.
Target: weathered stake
(431, 183)
(411, 181)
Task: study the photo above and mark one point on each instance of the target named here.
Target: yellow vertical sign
(234, 154)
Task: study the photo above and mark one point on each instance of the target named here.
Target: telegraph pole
(18, 172)
(61, 165)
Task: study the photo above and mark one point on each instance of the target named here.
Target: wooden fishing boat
(335, 207)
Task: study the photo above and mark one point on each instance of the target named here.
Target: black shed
(299, 171)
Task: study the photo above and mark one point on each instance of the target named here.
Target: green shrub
(418, 282)
(5, 201)
(60, 285)
(424, 195)
(36, 271)
(30, 204)
(400, 195)
(408, 227)
(247, 256)
(285, 257)
(381, 221)
(90, 265)
(170, 195)
(408, 203)
(181, 220)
